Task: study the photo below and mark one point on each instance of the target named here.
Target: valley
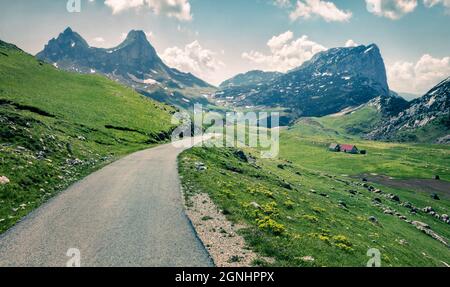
(74, 109)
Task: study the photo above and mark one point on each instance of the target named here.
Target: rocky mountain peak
(361, 61)
(134, 62)
(136, 35)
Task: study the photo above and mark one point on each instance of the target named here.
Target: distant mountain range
(134, 62)
(331, 81)
(336, 80)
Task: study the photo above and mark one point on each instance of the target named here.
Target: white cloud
(392, 9)
(418, 77)
(99, 40)
(351, 43)
(193, 58)
(180, 9)
(286, 52)
(306, 9)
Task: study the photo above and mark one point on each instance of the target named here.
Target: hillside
(426, 119)
(56, 127)
(134, 63)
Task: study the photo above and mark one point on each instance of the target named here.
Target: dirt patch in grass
(430, 186)
(226, 247)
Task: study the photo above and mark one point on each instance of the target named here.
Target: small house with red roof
(348, 148)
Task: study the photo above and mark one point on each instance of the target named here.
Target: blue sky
(217, 39)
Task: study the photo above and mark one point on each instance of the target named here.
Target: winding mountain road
(129, 213)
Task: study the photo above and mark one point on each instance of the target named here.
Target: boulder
(435, 196)
(373, 219)
(407, 205)
(255, 205)
(4, 180)
(428, 209)
(377, 200)
(200, 166)
(241, 155)
(388, 211)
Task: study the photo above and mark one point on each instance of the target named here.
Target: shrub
(318, 209)
(271, 225)
(310, 218)
(270, 209)
(289, 204)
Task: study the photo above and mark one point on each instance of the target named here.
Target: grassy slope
(314, 225)
(50, 118)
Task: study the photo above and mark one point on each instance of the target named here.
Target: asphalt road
(129, 213)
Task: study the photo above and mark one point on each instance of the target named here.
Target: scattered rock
(74, 161)
(377, 200)
(4, 180)
(407, 205)
(308, 259)
(388, 211)
(425, 228)
(255, 205)
(394, 197)
(241, 155)
(81, 138)
(200, 166)
(373, 219)
(420, 224)
(342, 203)
(428, 209)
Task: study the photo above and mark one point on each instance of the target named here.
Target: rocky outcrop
(432, 107)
